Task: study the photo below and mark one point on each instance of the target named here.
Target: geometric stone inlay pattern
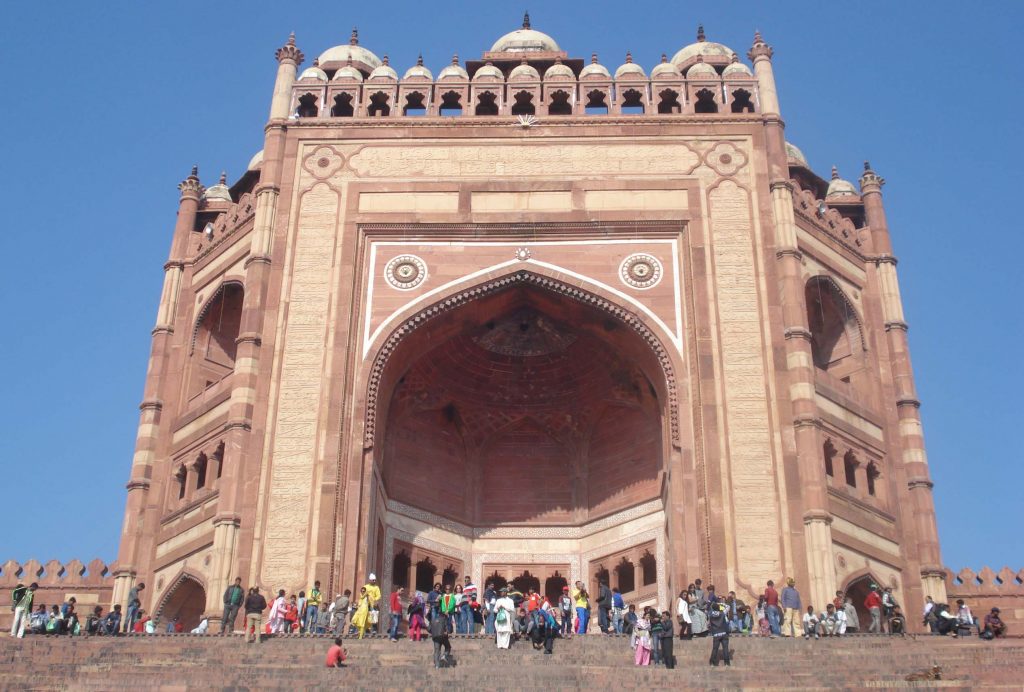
(641, 271)
(405, 272)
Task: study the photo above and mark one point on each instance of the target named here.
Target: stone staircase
(593, 662)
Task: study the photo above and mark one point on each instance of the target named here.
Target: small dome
(418, 71)
(736, 68)
(488, 70)
(525, 40)
(256, 162)
(454, 71)
(218, 192)
(701, 70)
(630, 69)
(348, 72)
(524, 71)
(313, 73)
(838, 187)
(714, 53)
(794, 154)
(385, 71)
(353, 53)
(595, 69)
(559, 70)
(666, 69)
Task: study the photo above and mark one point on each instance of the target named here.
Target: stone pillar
(800, 364)
(911, 437)
(288, 60)
(152, 404)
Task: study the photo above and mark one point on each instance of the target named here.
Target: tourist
(361, 618)
(395, 608)
(22, 598)
(504, 613)
(439, 629)
(873, 603)
(38, 620)
(490, 598)
(852, 618)
(93, 623)
(811, 623)
(946, 620)
(433, 601)
(732, 611)
(683, 615)
(604, 606)
(746, 622)
(582, 601)
(69, 616)
(711, 598)
(469, 589)
(336, 655)
(16, 594)
(112, 623)
(699, 597)
(323, 620)
(896, 622)
(521, 625)
(642, 641)
(930, 619)
(629, 620)
(475, 615)
(233, 597)
(142, 619)
(551, 629)
(203, 628)
(275, 617)
(655, 619)
(994, 625)
(666, 644)
(841, 622)
(416, 621)
(720, 637)
(55, 623)
(300, 607)
(255, 604)
(464, 612)
(134, 603)
(771, 600)
(341, 606)
(698, 620)
(565, 604)
(446, 606)
(790, 601)
(964, 618)
(618, 609)
(888, 604)
(291, 614)
(837, 602)
(373, 593)
(313, 607)
(829, 621)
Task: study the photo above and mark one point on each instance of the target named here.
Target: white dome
(838, 187)
(714, 53)
(488, 70)
(353, 53)
(418, 70)
(701, 70)
(348, 72)
(453, 71)
(559, 70)
(595, 68)
(384, 71)
(256, 162)
(218, 192)
(313, 73)
(666, 69)
(794, 153)
(525, 40)
(524, 71)
(629, 69)
(736, 68)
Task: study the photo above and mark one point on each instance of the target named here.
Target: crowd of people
(510, 616)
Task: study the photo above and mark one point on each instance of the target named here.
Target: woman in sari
(361, 620)
(504, 615)
(642, 655)
(698, 621)
(416, 617)
(276, 618)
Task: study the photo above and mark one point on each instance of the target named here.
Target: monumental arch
(530, 320)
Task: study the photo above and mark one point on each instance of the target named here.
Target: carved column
(814, 493)
(288, 60)
(911, 436)
(151, 408)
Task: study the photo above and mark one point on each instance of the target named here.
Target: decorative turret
(289, 52)
(289, 57)
(190, 186)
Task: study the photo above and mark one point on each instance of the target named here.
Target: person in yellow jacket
(373, 593)
(581, 599)
(361, 618)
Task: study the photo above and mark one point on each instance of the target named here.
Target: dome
(418, 70)
(736, 68)
(524, 71)
(525, 40)
(348, 72)
(794, 154)
(313, 73)
(630, 69)
(701, 70)
(666, 69)
(336, 57)
(559, 70)
(256, 162)
(218, 192)
(384, 71)
(454, 71)
(595, 69)
(488, 70)
(714, 53)
(838, 187)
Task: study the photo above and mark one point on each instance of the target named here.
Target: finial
(629, 57)
(735, 58)
(593, 58)
(526, 20)
(760, 49)
(348, 63)
(316, 62)
(664, 58)
(757, 37)
(867, 166)
(191, 185)
(524, 62)
(700, 32)
(195, 171)
(835, 173)
(419, 61)
(385, 61)
(354, 39)
(700, 58)
(223, 178)
(558, 59)
(289, 52)
(291, 39)
(455, 58)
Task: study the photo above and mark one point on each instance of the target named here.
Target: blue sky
(109, 104)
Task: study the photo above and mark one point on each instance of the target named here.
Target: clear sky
(107, 105)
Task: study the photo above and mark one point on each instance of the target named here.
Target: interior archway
(186, 601)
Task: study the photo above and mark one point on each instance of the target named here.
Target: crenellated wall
(91, 584)
(987, 589)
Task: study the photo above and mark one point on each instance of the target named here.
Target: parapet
(987, 589)
(91, 584)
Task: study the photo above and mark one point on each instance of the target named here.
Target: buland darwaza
(530, 320)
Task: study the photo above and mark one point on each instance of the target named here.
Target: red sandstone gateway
(534, 321)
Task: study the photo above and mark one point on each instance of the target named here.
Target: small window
(627, 575)
(597, 104)
(829, 453)
(741, 102)
(601, 576)
(379, 105)
(632, 102)
(307, 106)
(669, 102)
(451, 104)
(850, 463)
(523, 104)
(414, 105)
(649, 567)
(486, 104)
(219, 458)
(705, 102)
(560, 103)
(200, 467)
(873, 474)
(181, 478)
(343, 106)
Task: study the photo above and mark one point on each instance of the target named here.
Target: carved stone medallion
(405, 272)
(640, 270)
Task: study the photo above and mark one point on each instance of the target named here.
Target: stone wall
(987, 589)
(91, 584)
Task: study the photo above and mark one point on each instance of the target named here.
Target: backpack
(17, 596)
(438, 627)
(502, 617)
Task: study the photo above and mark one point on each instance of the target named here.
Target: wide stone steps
(593, 662)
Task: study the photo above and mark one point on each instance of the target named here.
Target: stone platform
(183, 662)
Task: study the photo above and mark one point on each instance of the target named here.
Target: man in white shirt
(810, 623)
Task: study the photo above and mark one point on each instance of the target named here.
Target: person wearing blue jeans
(490, 596)
(395, 607)
(618, 608)
(134, 603)
(465, 617)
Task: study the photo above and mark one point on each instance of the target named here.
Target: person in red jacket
(291, 615)
(874, 605)
(395, 606)
(336, 655)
